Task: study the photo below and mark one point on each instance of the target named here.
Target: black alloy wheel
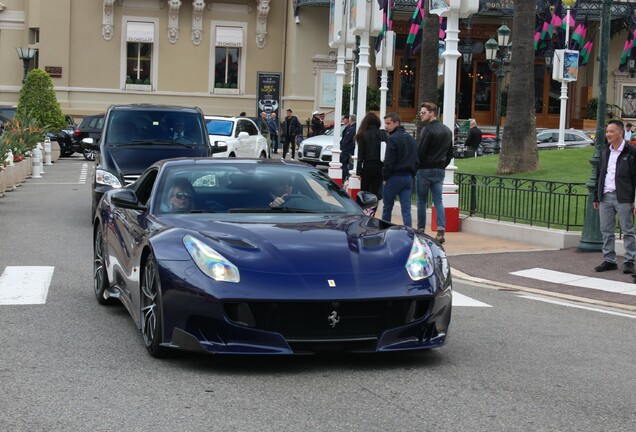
(100, 277)
(151, 322)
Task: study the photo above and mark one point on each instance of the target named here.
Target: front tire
(151, 321)
(100, 276)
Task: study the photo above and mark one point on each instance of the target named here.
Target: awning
(140, 31)
(229, 36)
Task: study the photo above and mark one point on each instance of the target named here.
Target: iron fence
(534, 202)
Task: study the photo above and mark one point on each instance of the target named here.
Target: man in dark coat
(291, 129)
(435, 151)
(473, 140)
(615, 196)
(347, 145)
(400, 166)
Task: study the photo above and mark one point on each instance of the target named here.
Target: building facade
(238, 56)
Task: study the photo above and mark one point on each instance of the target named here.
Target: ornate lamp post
(548, 56)
(498, 55)
(26, 55)
(467, 54)
(591, 239)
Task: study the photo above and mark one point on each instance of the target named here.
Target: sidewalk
(560, 272)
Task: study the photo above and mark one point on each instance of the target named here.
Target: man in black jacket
(347, 145)
(615, 196)
(473, 140)
(291, 128)
(400, 166)
(435, 151)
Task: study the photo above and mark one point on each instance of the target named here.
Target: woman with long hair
(369, 168)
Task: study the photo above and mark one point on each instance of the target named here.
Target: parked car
(487, 146)
(89, 127)
(240, 134)
(229, 272)
(136, 136)
(64, 137)
(316, 150)
(8, 112)
(3, 121)
(548, 139)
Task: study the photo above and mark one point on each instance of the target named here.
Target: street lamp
(498, 54)
(467, 55)
(548, 56)
(26, 55)
(631, 65)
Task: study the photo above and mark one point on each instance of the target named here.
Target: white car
(239, 133)
(548, 139)
(317, 149)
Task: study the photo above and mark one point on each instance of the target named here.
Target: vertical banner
(268, 93)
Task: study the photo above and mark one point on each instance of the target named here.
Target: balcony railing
(534, 202)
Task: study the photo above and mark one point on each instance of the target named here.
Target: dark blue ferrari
(233, 256)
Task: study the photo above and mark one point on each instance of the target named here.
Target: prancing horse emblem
(333, 319)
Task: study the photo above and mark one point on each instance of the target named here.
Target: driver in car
(281, 190)
(178, 129)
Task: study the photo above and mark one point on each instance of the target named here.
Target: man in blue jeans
(400, 166)
(435, 151)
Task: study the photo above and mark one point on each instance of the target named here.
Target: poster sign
(570, 65)
(268, 93)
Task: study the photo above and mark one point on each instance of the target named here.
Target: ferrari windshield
(249, 187)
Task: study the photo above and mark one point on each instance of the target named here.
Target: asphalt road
(522, 364)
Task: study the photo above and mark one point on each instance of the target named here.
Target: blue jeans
(608, 210)
(398, 186)
(430, 179)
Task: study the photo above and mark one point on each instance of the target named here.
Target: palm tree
(519, 146)
(429, 53)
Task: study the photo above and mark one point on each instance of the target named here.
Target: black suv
(136, 136)
(89, 127)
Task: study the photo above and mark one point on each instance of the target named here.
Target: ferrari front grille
(328, 320)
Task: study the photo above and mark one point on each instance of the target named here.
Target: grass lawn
(569, 165)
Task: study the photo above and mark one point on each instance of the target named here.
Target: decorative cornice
(262, 10)
(197, 21)
(173, 20)
(107, 21)
(2, 7)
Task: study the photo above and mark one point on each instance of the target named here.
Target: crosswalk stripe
(22, 285)
(578, 280)
(462, 300)
(576, 306)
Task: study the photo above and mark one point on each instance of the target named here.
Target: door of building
(547, 94)
(403, 84)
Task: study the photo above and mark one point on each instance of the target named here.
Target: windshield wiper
(155, 142)
(281, 209)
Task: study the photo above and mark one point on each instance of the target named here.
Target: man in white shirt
(614, 196)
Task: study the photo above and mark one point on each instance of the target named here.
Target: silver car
(317, 150)
(548, 139)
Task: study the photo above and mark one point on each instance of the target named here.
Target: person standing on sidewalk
(615, 196)
(369, 139)
(347, 145)
(398, 171)
(291, 128)
(473, 140)
(435, 151)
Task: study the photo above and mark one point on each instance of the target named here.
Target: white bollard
(47, 152)
(36, 160)
(40, 148)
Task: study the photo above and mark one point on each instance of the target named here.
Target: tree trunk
(429, 53)
(519, 146)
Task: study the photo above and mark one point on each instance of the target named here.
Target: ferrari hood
(340, 245)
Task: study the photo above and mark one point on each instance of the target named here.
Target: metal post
(501, 74)
(591, 238)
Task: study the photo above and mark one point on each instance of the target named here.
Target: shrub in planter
(21, 136)
(38, 101)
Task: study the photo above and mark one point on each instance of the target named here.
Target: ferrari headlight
(210, 262)
(420, 263)
(103, 177)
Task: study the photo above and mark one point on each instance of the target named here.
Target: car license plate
(310, 154)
